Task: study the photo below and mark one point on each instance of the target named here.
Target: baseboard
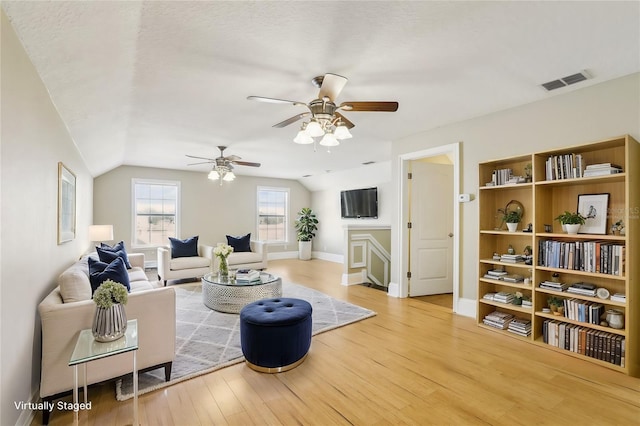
(27, 416)
(336, 258)
(354, 278)
(282, 255)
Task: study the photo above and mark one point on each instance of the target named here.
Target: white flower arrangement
(110, 292)
(223, 250)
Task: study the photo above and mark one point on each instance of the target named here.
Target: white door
(431, 233)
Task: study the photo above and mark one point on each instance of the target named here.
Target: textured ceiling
(144, 83)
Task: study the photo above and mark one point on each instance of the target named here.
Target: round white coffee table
(226, 295)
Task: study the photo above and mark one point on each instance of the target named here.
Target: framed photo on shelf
(594, 208)
(66, 204)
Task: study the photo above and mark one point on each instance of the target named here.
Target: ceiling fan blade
(200, 158)
(246, 163)
(345, 120)
(370, 106)
(292, 119)
(273, 100)
(332, 85)
(203, 162)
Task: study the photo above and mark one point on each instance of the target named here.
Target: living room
(35, 138)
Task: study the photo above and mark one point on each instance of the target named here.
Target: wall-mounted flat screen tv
(359, 203)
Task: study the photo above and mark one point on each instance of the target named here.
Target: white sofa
(69, 308)
(184, 267)
(255, 259)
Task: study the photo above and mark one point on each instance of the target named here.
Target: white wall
(326, 204)
(33, 139)
(587, 115)
(207, 209)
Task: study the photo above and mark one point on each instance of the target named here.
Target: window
(273, 214)
(155, 212)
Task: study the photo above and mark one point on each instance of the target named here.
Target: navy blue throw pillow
(240, 244)
(109, 256)
(115, 247)
(99, 272)
(184, 248)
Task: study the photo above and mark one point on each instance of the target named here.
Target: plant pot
(513, 227)
(572, 228)
(109, 324)
(304, 250)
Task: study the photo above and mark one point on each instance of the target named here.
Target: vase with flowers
(222, 251)
(110, 320)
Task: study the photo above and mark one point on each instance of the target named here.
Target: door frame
(404, 159)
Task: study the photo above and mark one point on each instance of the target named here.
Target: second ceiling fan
(325, 119)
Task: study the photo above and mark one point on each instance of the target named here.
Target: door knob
(450, 234)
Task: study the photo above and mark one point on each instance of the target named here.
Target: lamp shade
(229, 176)
(329, 140)
(342, 132)
(314, 129)
(100, 232)
(303, 138)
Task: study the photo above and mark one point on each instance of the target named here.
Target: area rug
(207, 340)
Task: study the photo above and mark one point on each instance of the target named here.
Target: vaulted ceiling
(145, 83)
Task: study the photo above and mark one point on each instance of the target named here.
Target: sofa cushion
(184, 248)
(74, 283)
(180, 263)
(240, 244)
(99, 272)
(244, 257)
(108, 256)
(140, 286)
(137, 274)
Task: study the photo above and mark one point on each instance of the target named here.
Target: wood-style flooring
(414, 363)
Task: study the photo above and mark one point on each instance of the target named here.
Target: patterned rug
(207, 340)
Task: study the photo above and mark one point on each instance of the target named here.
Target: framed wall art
(594, 208)
(66, 204)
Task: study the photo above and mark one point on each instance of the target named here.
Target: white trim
(467, 307)
(385, 261)
(26, 416)
(135, 181)
(354, 278)
(403, 196)
(352, 254)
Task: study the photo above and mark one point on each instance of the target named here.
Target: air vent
(566, 81)
(366, 163)
(307, 176)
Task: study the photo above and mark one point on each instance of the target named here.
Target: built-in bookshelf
(592, 276)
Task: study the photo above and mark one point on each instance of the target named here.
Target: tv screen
(359, 203)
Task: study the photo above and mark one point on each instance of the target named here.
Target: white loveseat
(255, 259)
(184, 267)
(69, 308)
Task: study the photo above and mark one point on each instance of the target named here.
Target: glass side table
(88, 349)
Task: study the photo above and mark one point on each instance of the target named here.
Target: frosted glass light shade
(342, 132)
(213, 175)
(229, 177)
(314, 129)
(101, 232)
(329, 140)
(303, 138)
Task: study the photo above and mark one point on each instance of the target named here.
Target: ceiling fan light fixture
(342, 132)
(303, 137)
(229, 176)
(213, 175)
(314, 129)
(329, 140)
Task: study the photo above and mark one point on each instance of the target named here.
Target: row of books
(589, 256)
(580, 310)
(602, 169)
(566, 166)
(597, 344)
(500, 177)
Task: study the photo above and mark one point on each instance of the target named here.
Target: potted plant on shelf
(306, 225)
(571, 222)
(512, 218)
(556, 304)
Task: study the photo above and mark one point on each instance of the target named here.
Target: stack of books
(527, 303)
(520, 326)
(489, 296)
(602, 169)
(503, 297)
(584, 289)
(619, 297)
(513, 278)
(495, 274)
(512, 258)
(551, 285)
(498, 319)
(244, 276)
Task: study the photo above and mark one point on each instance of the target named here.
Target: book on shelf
(488, 296)
(602, 169)
(512, 258)
(552, 285)
(584, 289)
(513, 278)
(564, 166)
(247, 275)
(503, 297)
(618, 297)
(596, 256)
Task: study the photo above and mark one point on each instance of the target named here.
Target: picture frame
(66, 204)
(594, 207)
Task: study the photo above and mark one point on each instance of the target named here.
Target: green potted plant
(306, 225)
(512, 218)
(556, 304)
(571, 222)
(110, 320)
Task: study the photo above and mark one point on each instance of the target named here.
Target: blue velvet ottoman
(275, 334)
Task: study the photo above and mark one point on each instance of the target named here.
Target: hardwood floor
(413, 363)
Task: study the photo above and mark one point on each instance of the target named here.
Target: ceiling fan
(222, 166)
(325, 120)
